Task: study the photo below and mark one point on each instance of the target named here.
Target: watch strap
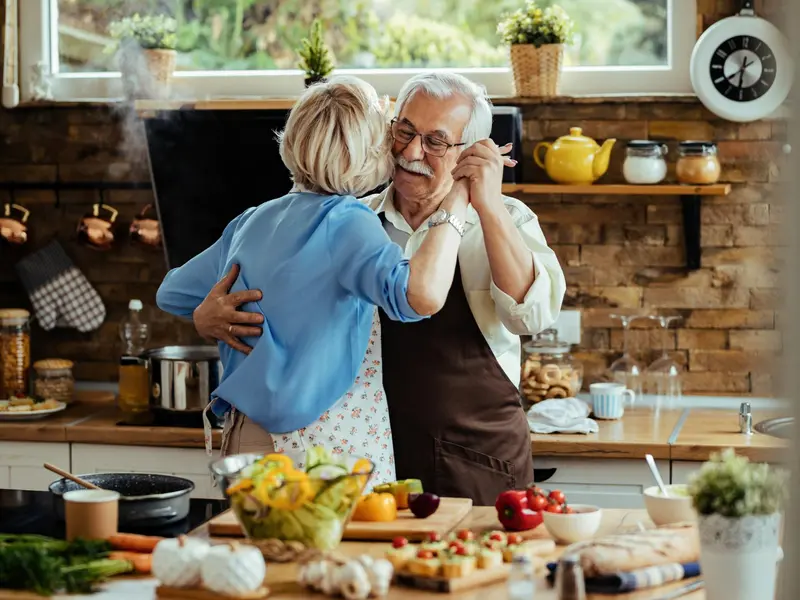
(450, 218)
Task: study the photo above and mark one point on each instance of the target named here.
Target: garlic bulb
(380, 573)
(353, 581)
(329, 584)
(233, 569)
(177, 562)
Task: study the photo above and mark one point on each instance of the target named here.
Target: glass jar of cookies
(548, 369)
(15, 352)
(53, 380)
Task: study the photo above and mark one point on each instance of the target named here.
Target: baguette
(610, 554)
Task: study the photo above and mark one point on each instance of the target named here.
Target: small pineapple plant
(315, 57)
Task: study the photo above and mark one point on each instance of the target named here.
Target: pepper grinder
(569, 582)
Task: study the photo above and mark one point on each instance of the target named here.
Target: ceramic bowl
(578, 526)
(673, 509)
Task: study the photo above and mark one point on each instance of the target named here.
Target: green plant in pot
(145, 47)
(537, 38)
(315, 58)
(738, 503)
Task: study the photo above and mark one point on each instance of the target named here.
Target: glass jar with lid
(15, 352)
(53, 380)
(697, 163)
(644, 162)
(548, 369)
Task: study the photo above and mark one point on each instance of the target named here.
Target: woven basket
(161, 64)
(537, 71)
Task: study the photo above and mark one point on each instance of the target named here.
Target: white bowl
(672, 509)
(573, 527)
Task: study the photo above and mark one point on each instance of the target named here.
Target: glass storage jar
(548, 369)
(644, 162)
(697, 163)
(15, 352)
(52, 379)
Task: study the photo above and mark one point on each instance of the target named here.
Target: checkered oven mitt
(61, 295)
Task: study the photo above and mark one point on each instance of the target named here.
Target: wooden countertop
(639, 432)
(54, 428)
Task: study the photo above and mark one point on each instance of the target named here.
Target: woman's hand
(217, 317)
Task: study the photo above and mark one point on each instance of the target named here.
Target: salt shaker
(521, 583)
(569, 579)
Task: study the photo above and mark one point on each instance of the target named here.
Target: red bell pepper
(514, 512)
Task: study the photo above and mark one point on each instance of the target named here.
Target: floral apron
(358, 423)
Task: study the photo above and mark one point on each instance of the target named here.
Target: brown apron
(457, 421)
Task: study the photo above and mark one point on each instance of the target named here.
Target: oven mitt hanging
(61, 295)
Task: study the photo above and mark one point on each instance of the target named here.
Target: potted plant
(537, 38)
(315, 58)
(738, 505)
(146, 52)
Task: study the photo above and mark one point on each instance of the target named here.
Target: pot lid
(576, 138)
(183, 353)
(52, 364)
(643, 144)
(14, 316)
(547, 342)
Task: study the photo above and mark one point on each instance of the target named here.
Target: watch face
(743, 68)
(440, 216)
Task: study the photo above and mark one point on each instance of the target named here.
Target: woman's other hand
(217, 317)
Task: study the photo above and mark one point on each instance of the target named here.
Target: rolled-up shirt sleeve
(542, 302)
(369, 264)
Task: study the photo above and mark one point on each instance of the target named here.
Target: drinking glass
(665, 372)
(626, 369)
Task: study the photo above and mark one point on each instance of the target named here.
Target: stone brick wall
(619, 253)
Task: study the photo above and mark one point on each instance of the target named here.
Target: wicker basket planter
(161, 64)
(537, 71)
(146, 74)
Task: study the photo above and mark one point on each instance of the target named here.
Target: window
(247, 47)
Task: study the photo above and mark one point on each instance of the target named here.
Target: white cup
(607, 399)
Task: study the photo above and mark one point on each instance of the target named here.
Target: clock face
(743, 68)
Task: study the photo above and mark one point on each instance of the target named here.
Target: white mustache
(417, 166)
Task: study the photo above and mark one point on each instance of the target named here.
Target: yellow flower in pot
(146, 52)
(537, 38)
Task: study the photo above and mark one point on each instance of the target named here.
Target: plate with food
(28, 409)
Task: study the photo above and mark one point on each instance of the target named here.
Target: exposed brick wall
(619, 253)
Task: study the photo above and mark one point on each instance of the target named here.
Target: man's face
(418, 174)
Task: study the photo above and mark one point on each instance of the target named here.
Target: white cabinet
(21, 464)
(191, 463)
(603, 482)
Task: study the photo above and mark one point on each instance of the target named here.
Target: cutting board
(451, 512)
(477, 578)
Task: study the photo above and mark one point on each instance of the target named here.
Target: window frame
(37, 21)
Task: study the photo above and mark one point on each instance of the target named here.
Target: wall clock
(741, 68)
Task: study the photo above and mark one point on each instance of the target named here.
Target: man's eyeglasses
(431, 144)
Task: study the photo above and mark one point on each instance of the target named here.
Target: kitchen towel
(60, 293)
(561, 415)
(635, 580)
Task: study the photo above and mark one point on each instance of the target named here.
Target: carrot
(142, 563)
(133, 542)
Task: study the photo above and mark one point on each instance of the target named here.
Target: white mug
(607, 399)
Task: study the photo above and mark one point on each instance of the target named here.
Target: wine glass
(626, 369)
(665, 372)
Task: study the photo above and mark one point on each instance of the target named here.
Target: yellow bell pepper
(376, 507)
(294, 492)
(362, 466)
(242, 485)
(274, 460)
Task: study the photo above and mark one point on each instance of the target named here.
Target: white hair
(337, 139)
(442, 84)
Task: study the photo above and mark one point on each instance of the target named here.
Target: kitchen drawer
(191, 463)
(21, 464)
(607, 483)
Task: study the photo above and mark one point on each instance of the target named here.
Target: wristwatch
(442, 216)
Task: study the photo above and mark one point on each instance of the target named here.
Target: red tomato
(466, 535)
(514, 538)
(537, 503)
(456, 544)
(536, 490)
(399, 542)
(434, 537)
(425, 554)
(558, 496)
(554, 507)
(462, 551)
(497, 536)
(568, 509)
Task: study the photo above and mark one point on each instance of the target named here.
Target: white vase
(739, 556)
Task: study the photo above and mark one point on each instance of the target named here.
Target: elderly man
(451, 380)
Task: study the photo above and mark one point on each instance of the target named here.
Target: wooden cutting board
(477, 578)
(451, 512)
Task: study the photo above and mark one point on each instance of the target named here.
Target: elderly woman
(324, 263)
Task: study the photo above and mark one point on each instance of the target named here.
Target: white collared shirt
(500, 318)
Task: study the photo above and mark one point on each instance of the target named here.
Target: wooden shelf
(717, 189)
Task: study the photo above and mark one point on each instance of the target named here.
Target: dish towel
(60, 293)
(561, 415)
(639, 579)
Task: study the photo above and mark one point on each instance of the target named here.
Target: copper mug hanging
(13, 228)
(146, 229)
(96, 231)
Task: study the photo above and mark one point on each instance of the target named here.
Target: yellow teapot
(574, 159)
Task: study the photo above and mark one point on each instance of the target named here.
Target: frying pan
(145, 500)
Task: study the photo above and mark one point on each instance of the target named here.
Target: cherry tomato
(538, 503)
(497, 536)
(554, 507)
(466, 535)
(558, 496)
(425, 554)
(462, 551)
(514, 538)
(456, 544)
(537, 491)
(399, 542)
(568, 510)
(434, 537)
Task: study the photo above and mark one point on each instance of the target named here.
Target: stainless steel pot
(183, 377)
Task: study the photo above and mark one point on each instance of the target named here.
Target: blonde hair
(337, 138)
